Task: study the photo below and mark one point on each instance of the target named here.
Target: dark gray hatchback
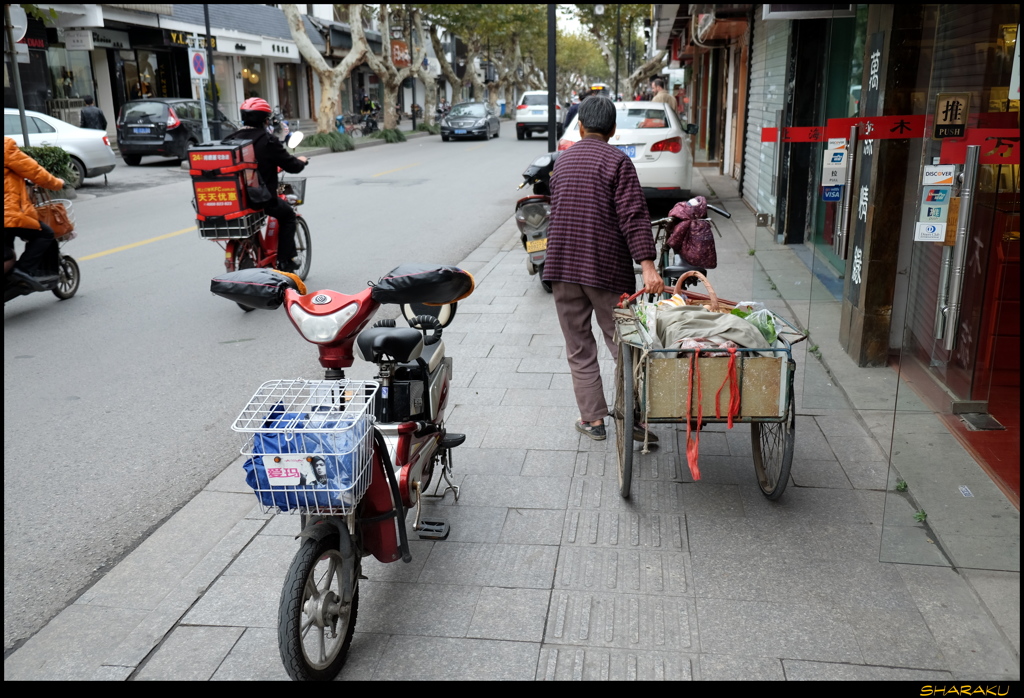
(164, 126)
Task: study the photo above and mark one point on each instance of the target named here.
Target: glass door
(954, 485)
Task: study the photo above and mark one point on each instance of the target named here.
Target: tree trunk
(384, 67)
(391, 116)
(647, 71)
(472, 52)
(446, 67)
(330, 78)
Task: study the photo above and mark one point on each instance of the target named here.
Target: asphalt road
(118, 402)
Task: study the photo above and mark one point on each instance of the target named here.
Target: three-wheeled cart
(672, 386)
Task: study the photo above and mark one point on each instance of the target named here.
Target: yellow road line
(136, 244)
(477, 147)
(397, 169)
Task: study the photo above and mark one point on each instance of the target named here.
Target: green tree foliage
(579, 63)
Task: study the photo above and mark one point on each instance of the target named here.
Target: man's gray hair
(597, 114)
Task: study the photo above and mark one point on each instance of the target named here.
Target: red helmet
(256, 104)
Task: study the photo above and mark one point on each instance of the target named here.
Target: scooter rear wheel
(315, 626)
(69, 278)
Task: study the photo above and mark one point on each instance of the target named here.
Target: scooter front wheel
(315, 624)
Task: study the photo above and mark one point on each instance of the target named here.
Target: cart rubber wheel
(68, 278)
(772, 451)
(303, 247)
(624, 417)
(315, 626)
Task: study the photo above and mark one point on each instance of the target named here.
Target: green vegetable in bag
(763, 320)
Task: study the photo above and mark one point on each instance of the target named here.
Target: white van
(531, 114)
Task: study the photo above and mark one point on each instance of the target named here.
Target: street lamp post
(412, 74)
(552, 135)
(618, 43)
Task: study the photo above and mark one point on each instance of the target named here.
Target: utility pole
(552, 135)
(12, 55)
(213, 78)
(412, 75)
(618, 43)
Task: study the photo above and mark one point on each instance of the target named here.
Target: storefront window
(288, 89)
(254, 78)
(71, 72)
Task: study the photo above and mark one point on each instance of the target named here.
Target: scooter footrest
(451, 440)
(433, 529)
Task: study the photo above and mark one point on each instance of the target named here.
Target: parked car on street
(470, 120)
(159, 126)
(89, 148)
(657, 143)
(531, 114)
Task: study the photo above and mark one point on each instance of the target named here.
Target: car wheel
(519, 134)
(132, 160)
(444, 138)
(77, 174)
(184, 149)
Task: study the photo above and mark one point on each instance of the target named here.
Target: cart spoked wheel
(624, 417)
(772, 445)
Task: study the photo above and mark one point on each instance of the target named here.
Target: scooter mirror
(444, 313)
(294, 138)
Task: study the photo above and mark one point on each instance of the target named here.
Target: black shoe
(288, 266)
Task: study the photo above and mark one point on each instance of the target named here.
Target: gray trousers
(575, 304)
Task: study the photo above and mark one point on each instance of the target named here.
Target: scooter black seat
(414, 370)
(402, 344)
(681, 267)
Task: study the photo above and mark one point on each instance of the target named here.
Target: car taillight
(172, 118)
(521, 106)
(672, 145)
(564, 144)
(106, 141)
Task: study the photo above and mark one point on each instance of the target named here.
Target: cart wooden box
(659, 387)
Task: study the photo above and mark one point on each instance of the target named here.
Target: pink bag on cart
(692, 238)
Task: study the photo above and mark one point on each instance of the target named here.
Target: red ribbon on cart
(693, 445)
(734, 390)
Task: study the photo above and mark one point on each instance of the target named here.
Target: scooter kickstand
(446, 469)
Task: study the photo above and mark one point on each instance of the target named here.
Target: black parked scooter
(533, 214)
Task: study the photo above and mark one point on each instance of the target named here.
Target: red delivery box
(223, 158)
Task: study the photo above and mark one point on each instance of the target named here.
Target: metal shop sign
(78, 40)
(951, 110)
(180, 38)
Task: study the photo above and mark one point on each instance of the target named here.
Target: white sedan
(657, 143)
(91, 155)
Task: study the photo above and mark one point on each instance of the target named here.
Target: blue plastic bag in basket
(326, 481)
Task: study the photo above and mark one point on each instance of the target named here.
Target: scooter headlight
(322, 329)
(533, 217)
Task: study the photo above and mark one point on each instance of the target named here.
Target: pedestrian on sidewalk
(662, 95)
(599, 225)
(92, 117)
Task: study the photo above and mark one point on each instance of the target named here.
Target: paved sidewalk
(548, 572)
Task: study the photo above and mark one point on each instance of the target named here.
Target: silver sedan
(91, 155)
(470, 120)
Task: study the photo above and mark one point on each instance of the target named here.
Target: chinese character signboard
(951, 110)
(870, 126)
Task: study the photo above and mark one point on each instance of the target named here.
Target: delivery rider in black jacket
(271, 154)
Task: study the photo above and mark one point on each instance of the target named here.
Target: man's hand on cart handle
(653, 282)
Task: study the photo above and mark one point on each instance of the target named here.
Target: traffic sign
(197, 64)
